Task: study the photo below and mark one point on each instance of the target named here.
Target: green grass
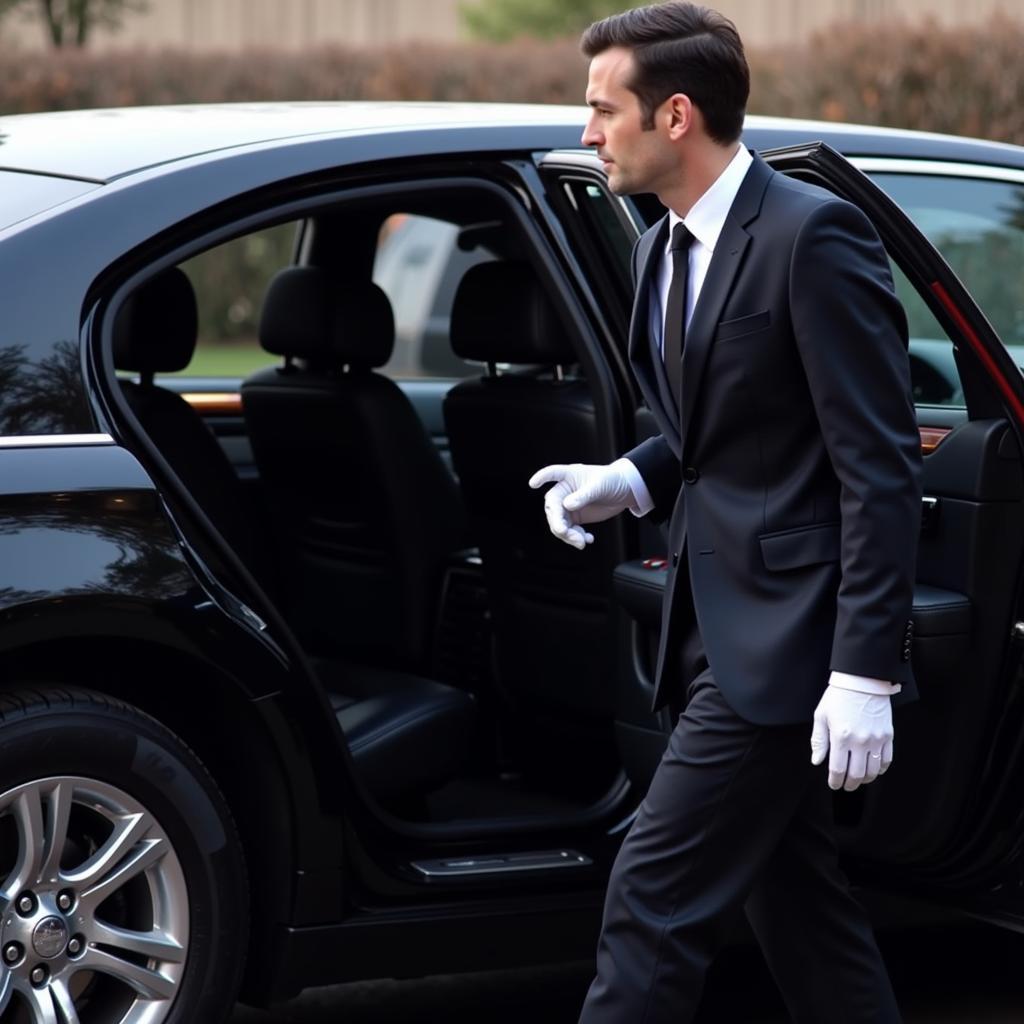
(227, 359)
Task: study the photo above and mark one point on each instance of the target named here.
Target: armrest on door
(639, 586)
(940, 612)
(942, 636)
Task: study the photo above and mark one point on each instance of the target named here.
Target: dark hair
(681, 47)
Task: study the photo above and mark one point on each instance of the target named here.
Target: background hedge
(962, 80)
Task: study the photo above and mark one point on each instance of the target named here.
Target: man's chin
(619, 186)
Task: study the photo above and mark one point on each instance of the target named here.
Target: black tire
(68, 740)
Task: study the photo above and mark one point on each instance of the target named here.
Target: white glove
(855, 730)
(582, 494)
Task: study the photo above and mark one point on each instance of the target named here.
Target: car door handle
(929, 515)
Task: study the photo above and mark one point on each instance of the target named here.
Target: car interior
(478, 668)
(441, 617)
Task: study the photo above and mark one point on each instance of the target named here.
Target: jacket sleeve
(660, 469)
(851, 333)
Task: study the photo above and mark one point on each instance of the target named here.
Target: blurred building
(243, 24)
(297, 24)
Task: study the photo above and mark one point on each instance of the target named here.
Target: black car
(297, 688)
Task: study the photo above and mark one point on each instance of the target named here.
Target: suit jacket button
(675, 559)
(690, 475)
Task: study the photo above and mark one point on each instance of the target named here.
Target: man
(769, 344)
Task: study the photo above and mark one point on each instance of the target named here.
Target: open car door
(941, 820)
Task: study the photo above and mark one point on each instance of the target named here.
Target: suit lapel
(647, 249)
(729, 251)
(725, 264)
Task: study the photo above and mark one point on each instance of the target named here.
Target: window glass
(419, 264)
(934, 378)
(978, 226)
(602, 240)
(230, 282)
(596, 206)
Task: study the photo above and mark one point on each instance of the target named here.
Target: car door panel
(967, 574)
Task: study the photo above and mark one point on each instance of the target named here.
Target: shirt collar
(707, 216)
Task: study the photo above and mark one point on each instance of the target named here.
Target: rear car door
(933, 818)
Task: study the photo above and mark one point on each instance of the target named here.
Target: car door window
(934, 377)
(978, 226)
(418, 265)
(601, 233)
(230, 281)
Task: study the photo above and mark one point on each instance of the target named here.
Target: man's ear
(680, 113)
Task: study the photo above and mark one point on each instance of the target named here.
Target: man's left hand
(855, 730)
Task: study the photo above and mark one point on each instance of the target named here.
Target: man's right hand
(582, 494)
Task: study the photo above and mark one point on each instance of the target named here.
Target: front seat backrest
(550, 601)
(365, 512)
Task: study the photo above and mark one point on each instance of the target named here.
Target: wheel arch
(252, 754)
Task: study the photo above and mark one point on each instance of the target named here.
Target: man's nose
(591, 137)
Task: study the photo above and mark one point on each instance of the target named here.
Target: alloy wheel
(94, 913)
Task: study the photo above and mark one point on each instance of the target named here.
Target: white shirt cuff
(864, 684)
(642, 500)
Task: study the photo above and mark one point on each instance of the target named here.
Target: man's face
(635, 160)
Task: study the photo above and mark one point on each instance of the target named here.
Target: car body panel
(23, 195)
(92, 558)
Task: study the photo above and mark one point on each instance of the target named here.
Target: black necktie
(675, 311)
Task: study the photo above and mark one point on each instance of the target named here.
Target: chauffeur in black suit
(769, 344)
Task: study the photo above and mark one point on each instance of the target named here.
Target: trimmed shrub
(965, 80)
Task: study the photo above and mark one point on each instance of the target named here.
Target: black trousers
(735, 818)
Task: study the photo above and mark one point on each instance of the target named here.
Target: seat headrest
(310, 315)
(156, 328)
(501, 314)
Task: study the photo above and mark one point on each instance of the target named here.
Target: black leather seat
(406, 734)
(364, 510)
(550, 602)
(155, 332)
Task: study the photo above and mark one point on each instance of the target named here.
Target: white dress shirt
(705, 222)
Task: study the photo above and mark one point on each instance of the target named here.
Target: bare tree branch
(72, 21)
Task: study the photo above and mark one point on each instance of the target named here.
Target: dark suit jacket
(791, 472)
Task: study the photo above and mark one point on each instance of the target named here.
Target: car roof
(101, 145)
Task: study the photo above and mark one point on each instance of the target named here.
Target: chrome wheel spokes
(94, 906)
